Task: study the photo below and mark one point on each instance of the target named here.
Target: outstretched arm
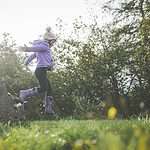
(34, 49)
(30, 58)
(38, 46)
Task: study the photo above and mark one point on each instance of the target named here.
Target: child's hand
(23, 48)
(51, 67)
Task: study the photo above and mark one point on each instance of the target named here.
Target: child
(42, 52)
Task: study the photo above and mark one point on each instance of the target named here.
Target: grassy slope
(76, 135)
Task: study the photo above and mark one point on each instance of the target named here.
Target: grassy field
(76, 135)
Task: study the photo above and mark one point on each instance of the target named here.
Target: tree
(131, 19)
(12, 70)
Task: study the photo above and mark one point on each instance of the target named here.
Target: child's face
(51, 42)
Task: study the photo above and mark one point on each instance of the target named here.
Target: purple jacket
(42, 53)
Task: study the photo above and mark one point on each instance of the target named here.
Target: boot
(24, 94)
(43, 97)
(48, 105)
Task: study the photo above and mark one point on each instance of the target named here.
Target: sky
(25, 20)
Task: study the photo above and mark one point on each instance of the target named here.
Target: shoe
(24, 94)
(48, 105)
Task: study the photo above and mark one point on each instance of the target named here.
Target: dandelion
(112, 113)
(78, 144)
(53, 135)
(47, 131)
(37, 134)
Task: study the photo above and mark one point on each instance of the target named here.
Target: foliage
(11, 69)
(77, 135)
(131, 19)
(94, 64)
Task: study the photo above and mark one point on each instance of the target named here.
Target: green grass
(76, 135)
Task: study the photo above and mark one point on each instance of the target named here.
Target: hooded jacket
(41, 52)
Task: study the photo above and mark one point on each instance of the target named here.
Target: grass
(76, 135)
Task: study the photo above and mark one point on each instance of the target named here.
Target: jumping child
(42, 52)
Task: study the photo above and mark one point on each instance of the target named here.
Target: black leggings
(41, 75)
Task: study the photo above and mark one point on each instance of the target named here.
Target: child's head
(49, 36)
